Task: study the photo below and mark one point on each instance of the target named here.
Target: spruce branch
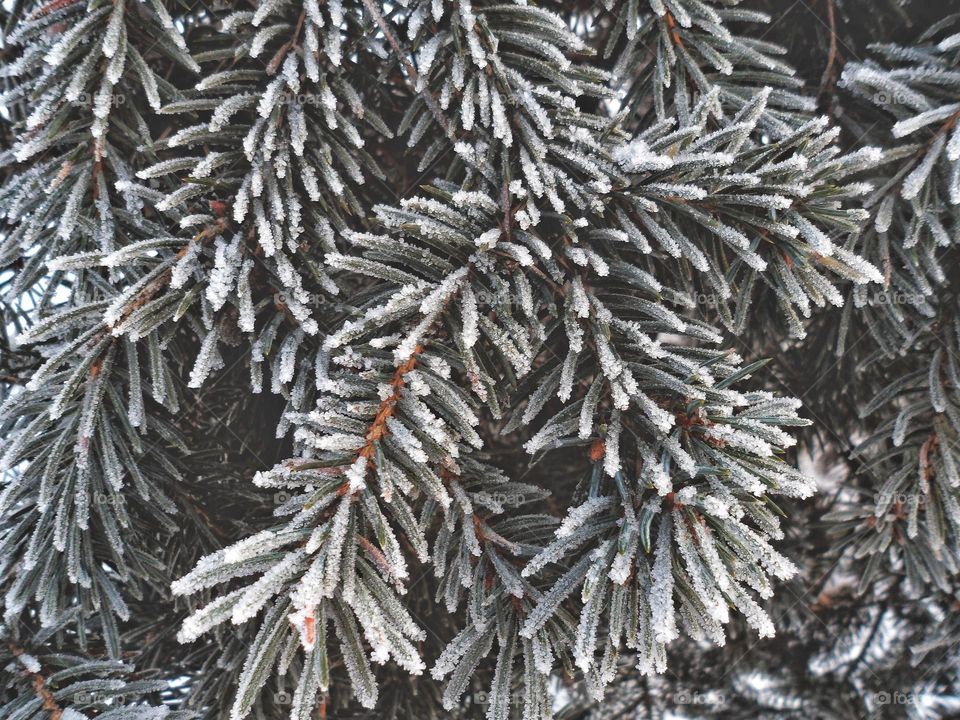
(342, 341)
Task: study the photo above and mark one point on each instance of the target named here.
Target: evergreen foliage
(479, 359)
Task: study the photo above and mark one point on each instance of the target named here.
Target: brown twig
(408, 66)
(51, 7)
(40, 688)
(672, 28)
(153, 288)
(379, 427)
(829, 74)
(279, 56)
(507, 211)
